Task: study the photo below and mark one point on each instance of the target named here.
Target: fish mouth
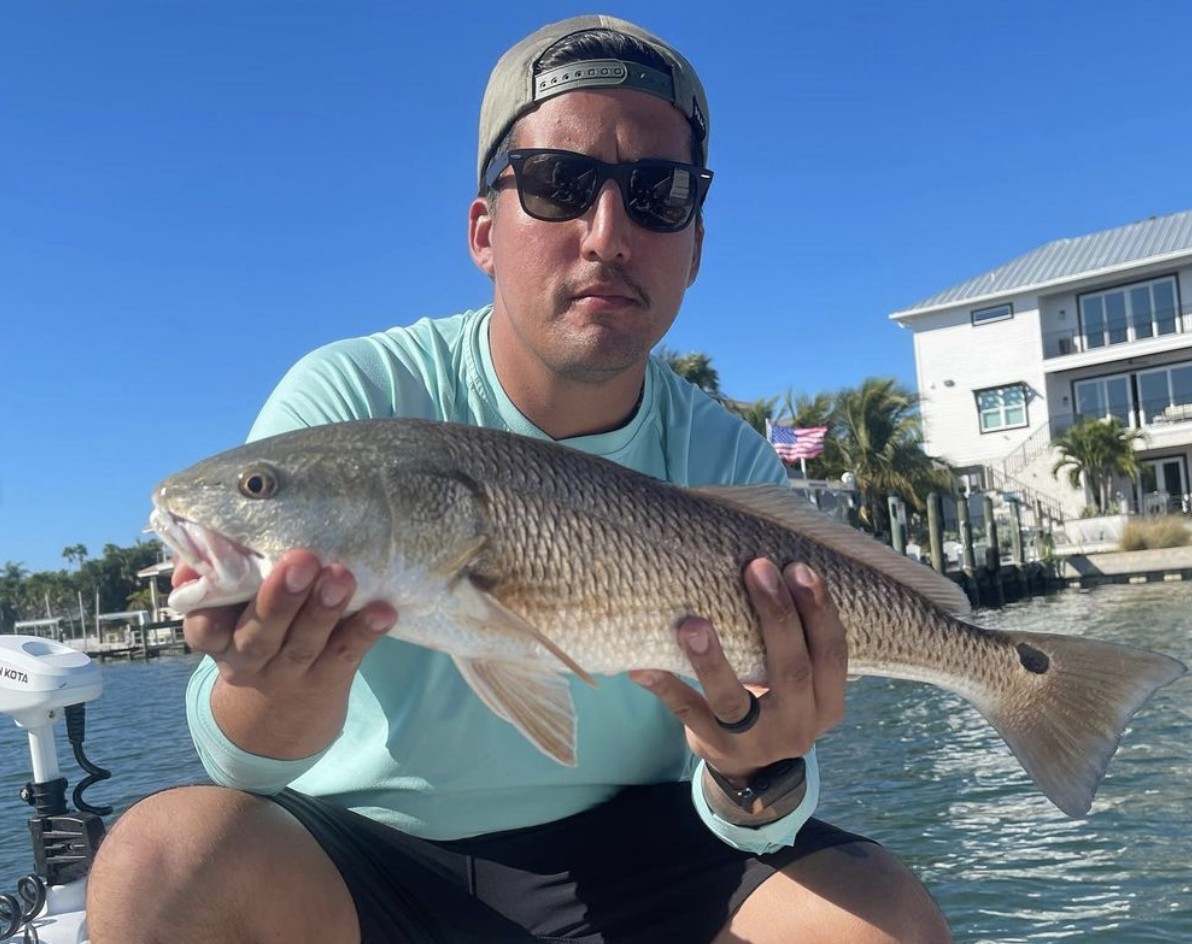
(229, 572)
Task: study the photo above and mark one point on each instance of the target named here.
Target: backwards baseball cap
(513, 88)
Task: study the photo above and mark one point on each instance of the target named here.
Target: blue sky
(194, 194)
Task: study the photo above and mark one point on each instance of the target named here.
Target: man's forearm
(261, 725)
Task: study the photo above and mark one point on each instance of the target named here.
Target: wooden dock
(148, 642)
(129, 653)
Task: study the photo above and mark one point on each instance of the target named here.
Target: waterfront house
(1097, 325)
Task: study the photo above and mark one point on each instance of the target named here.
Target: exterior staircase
(1028, 450)
(1025, 474)
(1037, 490)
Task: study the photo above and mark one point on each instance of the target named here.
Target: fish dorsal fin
(529, 696)
(782, 506)
(486, 611)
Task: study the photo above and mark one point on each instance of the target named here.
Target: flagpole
(803, 467)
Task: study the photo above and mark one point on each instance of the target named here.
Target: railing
(1148, 413)
(1038, 442)
(1001, 482)
(1076, 340)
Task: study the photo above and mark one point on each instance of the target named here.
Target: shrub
(1142, 534)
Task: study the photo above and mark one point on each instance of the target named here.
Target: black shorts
(639, 868)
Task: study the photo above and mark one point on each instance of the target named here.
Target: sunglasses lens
(660, 197)
(557, 187)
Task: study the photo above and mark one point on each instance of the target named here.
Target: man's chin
(605, 353)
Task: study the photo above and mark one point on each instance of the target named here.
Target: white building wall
(1059, 400)
(955, 358)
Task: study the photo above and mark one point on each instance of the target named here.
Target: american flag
(792, 443)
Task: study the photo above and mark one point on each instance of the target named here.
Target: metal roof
(1066, 259)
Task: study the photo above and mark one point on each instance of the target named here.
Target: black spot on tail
(1032, 659)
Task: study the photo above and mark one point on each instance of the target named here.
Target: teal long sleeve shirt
(418, 750)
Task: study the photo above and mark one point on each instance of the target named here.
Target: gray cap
(513, 89)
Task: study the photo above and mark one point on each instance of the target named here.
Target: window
(996, 313)
(1130, 313)
(1105, 397)
(1166, 393)
(1002, 407)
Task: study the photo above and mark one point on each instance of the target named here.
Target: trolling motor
(41, 682)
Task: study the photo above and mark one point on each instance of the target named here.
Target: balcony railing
(1147, 413)
(1070, 341)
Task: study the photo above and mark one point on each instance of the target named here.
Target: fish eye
(259, 481)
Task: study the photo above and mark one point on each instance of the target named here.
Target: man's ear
(697, 251)
(480, 226)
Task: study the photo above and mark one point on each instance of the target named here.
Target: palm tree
(1096, 451)
(75, 553)
(12, 579)
(877, 435)
(755, 413)
(806, 411)
(694, 367)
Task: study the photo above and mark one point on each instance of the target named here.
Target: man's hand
(287, 658)
(806, 667)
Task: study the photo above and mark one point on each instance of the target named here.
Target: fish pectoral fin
(487, 610)
(784, 507)
(461, 555)
(533, 699)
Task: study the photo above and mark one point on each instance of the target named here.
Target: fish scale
(699, 575)
(524, 560)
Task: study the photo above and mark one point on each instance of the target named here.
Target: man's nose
(609, 228)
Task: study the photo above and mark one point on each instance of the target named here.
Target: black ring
(750, 719)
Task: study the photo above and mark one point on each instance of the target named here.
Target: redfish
(525, 560)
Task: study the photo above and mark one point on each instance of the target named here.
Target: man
(591, 175)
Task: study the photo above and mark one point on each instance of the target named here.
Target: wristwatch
(769, 794)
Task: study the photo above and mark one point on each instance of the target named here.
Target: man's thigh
(639, 868)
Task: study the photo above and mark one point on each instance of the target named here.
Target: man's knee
(172, 833)
(892, 900)
(856, 892)
(192, 860)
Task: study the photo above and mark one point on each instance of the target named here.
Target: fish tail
(1069, 701)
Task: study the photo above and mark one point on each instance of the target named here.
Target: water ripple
(914, 767)
(919, 770)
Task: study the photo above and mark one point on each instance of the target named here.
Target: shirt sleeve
(347, 380)
(225, 763)
(760, 839)
(353, 379)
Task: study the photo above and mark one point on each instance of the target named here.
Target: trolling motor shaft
(64, 842)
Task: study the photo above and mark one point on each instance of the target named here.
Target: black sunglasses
(661, 196)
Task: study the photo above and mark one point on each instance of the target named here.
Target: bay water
(919, 770)
(911, 766)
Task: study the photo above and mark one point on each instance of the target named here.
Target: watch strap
(769, 794)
